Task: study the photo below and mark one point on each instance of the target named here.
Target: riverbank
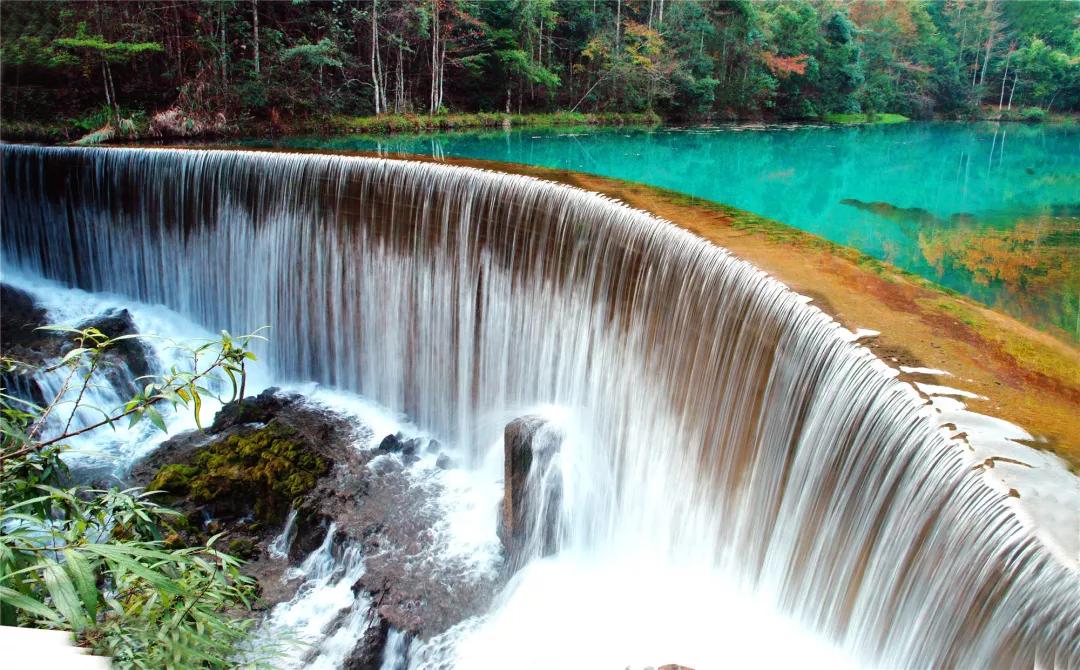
(172, 124)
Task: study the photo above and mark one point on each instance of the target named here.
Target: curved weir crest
(720, 420)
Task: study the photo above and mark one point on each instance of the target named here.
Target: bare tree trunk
(255, 31)
(1012, 91)
(442, 72)
(434, 55)
(963, 40)
(1048, 105)
(618, 24)
(376, 65)
(105, 82)
(1001, 98)
(540, 44)
(660, 18)
(651, 3)
(990, 38)
(399, 87)
(179, 49)
(224, 54)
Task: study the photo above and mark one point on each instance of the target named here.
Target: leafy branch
(104, 563)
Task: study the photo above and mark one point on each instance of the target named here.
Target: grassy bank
(403, 123)
(1024, 115)
(879, 119)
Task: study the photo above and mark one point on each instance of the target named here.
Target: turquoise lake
(988, 210)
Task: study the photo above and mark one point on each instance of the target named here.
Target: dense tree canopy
(686, 59)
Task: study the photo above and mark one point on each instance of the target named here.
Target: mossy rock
(261, 471)
(243, 547)
(175, 479)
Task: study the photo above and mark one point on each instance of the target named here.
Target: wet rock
(368, 653)
(261, 456)
(115, 323)
(408, 449)
(444, 462)
(391, 444)
(20, 317)
(370, 496)
(20, 340)
(532, 493)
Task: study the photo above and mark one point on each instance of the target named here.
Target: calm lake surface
(991, 211)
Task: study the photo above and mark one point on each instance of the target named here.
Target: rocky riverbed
(268, 454)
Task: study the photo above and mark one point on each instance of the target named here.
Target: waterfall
(719, 419)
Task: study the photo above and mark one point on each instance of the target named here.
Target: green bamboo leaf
(232, 380)
(130, 336)
(63, 594)
(123, 557)
(155, 418)
(82, 575)
(74, 353)
(29, 605)
(59, 329)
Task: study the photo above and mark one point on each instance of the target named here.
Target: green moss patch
(262, 471)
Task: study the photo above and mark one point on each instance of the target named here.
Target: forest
(188, 66)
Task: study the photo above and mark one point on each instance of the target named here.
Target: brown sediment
(1027, 376)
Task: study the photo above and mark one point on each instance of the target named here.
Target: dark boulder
(368, 653)
(22, 341)
(20, 317)
(132, 353)
(261, 456)
(368, 495)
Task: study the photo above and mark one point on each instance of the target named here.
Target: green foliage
(298, 64)
(323, 53)
(96, 45)
(393, 123)
(95, 561)
(1033, 115)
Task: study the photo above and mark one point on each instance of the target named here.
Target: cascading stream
(721, 419)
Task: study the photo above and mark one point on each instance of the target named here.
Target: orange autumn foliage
(784, 66)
